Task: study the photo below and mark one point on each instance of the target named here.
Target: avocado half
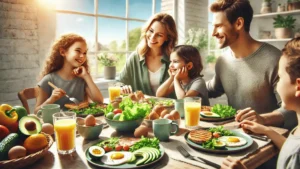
(29, 121)
(96, 152)
(219, 144)
(209, 114)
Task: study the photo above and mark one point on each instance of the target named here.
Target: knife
(259, 137)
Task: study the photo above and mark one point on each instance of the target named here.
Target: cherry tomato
(118, 147)
(126, 148)
(116, 111)
(107, 148)
(216, 134)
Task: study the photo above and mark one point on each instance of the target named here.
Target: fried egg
(116, 157)
(233, 141)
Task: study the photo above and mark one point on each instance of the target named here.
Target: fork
(199, 159)
(70, 98)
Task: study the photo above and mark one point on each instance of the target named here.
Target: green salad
(224, 111)
(130, 110)
(92, 109)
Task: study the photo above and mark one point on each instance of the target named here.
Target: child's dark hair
(190, 54)
(292, 51)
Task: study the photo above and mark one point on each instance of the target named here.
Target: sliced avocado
(30, 125)
(209, 114)
(132, 159)
(142, 161)
(219, 144)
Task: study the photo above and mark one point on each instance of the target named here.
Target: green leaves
(145, 142)
(281, 22)
(223, 111)
(107, 59)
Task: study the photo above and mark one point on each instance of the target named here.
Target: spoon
(70, 98)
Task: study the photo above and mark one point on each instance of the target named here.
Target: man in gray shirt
(247, 72)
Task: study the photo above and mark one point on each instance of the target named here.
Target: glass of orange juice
(192, 108)
(65, 131)
(114, 90)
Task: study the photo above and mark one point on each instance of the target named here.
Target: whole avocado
(21, 111)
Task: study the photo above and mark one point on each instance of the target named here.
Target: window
(109, 29)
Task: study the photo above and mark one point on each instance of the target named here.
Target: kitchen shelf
(274, 40)
(276, 13)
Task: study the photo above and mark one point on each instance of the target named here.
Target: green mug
(162, 129)
(47, 111)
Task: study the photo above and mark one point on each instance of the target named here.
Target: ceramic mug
(162, 128)
(47, 111)
(179, 106)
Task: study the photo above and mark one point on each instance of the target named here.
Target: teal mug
(47, 111)
(179, 106)
(162, 129)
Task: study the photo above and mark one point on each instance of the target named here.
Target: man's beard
(228, 41)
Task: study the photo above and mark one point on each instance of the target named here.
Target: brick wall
(22, 29)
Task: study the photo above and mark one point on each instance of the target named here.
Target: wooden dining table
(77, 160)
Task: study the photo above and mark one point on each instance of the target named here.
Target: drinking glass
(114, 90)
(65, 131)
(192, 108)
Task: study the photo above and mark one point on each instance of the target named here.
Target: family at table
(259, 80)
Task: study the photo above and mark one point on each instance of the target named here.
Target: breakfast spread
(217, 139)
(125, 152)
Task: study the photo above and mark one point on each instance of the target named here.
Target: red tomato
(3, 132)
(116, 111)
(13, 128)
(126, 148)
(216, 134)
(107, 148)
(118, 147)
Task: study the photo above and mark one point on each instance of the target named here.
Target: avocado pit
(30, 125)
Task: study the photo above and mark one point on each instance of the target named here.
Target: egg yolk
(117, 156)
(96, 151)
(233, 139)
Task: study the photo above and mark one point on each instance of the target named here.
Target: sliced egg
(208, 114)
(96, 152)
(233, 141)
(116, 157)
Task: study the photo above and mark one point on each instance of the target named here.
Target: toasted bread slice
(74, 106)
(199, 136)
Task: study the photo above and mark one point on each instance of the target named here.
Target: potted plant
(109, 62)
(293, 5)
(280, 8)
(283, 26)
(266, 7)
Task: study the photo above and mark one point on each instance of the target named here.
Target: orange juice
(192, 113)
(65, 134)
(114, 92)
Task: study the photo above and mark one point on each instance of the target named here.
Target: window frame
(96, 15)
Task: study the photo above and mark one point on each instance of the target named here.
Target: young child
(67, 68)
(185, 78)
(288, 87)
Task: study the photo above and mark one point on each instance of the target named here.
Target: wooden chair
(26, 94)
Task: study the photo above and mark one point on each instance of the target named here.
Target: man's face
(224, 31)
